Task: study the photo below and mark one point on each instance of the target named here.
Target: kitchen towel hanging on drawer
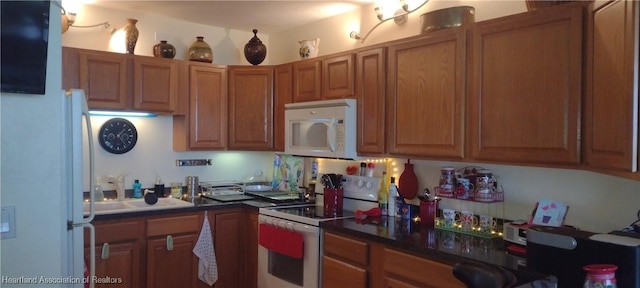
(207, 265)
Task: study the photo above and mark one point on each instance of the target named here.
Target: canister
(193, 186)
(447, 178)
(484, 181)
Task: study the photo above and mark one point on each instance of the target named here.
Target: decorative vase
(164, 50)
(408, 182)
(131, 35)
(309, 48)
(255, 51)
(200, 51)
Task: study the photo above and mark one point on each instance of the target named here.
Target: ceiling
(266, 16)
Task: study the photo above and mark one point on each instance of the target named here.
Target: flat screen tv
(23, 47)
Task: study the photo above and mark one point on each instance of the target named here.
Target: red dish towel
(280, 240)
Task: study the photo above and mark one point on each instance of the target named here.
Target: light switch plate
(8, 222)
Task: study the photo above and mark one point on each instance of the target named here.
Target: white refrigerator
(76, 128)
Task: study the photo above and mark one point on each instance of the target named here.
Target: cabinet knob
(105, 251)
(169, 243)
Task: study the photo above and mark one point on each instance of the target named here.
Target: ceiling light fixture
(400, 17)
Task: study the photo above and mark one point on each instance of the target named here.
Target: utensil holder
(333, 198)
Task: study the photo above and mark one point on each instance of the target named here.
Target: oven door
(277, 270)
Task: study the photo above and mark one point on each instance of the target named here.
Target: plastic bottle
(98, 193)
(393, 196)
(383, 198)
(314, 169)
(137, 189)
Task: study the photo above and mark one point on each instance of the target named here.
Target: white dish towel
(207, 265)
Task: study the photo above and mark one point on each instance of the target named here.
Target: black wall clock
(118, 136)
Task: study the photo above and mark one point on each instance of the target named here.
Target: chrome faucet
(118, 182)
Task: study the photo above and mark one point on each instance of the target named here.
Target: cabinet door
(121, 263)
(229, 246)
(283, 95)
(307, 76)
(337, 77)
(406, 268)
(250, 108)
(207, 107)
(155, 84)
(526, 88)
(174, 265)
(370, 91)
(70, 66)
(118, 252)
(612, 86)
(426, 81)
(336, 273)
(251, 249)
(103, 76)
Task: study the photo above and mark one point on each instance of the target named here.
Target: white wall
(227, 44)
(598, 202)
(153, 155)
(31, 176)
(334, 32)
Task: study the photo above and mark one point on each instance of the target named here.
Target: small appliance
(321, 128)
(516, 232)
(563, 251)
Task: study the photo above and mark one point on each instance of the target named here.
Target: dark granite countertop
(435, 244)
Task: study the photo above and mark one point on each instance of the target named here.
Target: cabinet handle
(169, 243)
(105, 251)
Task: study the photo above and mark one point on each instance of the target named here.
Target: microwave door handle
(331, 135)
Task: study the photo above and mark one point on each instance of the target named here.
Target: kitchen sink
(134, 205)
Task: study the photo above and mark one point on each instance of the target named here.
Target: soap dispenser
(98, 193)
(159, 187)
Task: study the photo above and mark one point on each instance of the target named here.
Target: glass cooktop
(314, 212)
(309, 214)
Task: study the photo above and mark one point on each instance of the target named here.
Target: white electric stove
(360, 193)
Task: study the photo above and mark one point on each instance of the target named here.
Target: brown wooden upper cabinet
(525, 97)
(611, 116)
(307, 79)
(114, 81)
(425, 96)
(328, 77)
(104, 76)
(337, 76)
(370, 92)
(283, 94)
(155, 85)
(204, 127)
(250, 107)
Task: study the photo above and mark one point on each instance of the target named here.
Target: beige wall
(599, 203)
(227, 44)
(334, 32)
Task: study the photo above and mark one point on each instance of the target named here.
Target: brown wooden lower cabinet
(118, 252)
(157, 251)
(177, 267)
(336, 273)
(251, 249)
(352, 262)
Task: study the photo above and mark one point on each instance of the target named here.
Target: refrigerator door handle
(92, 253)
(92, 198)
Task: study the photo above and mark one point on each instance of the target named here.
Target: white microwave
(321, 128)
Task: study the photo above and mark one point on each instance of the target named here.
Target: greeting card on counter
(549, 213)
